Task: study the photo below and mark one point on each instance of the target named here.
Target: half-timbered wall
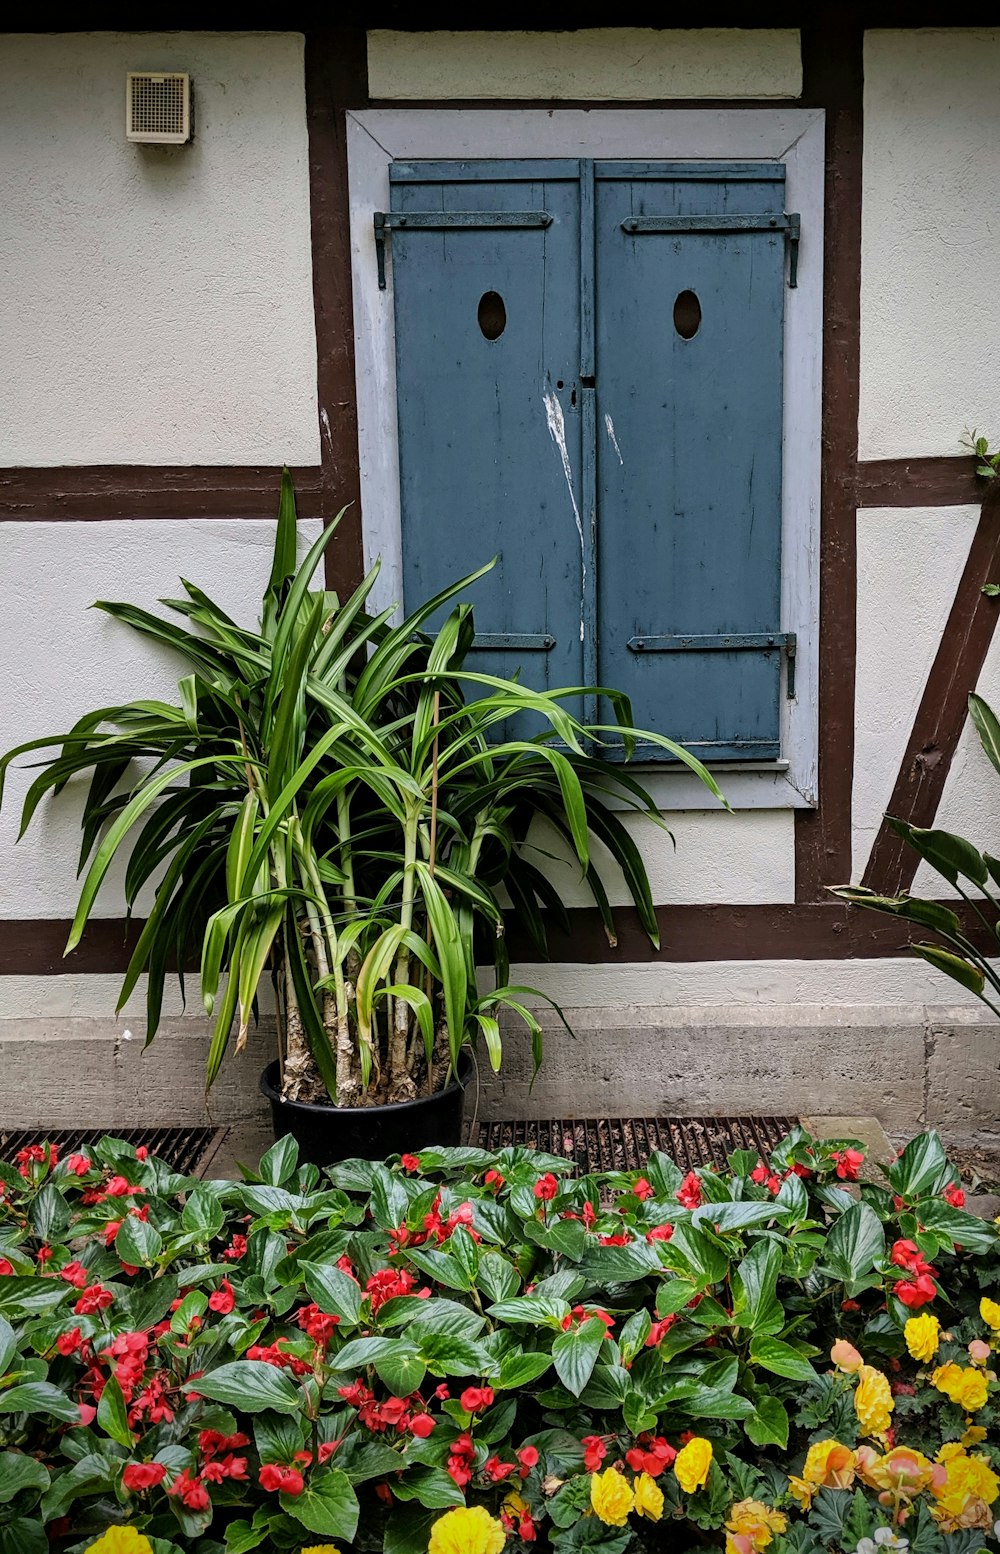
(181, 322)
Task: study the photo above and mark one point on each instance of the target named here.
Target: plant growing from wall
(974, 874)
(324, 804)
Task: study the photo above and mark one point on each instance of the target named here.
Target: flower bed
(466, 1353)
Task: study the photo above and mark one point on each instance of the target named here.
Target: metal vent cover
(183, 1149)
(158, 107)
(625, 1143)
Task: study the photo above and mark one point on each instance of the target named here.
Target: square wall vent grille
(158, 107)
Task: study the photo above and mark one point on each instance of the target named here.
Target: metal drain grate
(625, 1143)
(183, 1149)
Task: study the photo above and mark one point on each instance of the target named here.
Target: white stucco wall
(63, 661)
(930, 301)
(970, 803)
(156, 302)
(715, 856)
(599, 64)
(909, 564)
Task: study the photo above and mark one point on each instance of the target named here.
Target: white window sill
(747, 786)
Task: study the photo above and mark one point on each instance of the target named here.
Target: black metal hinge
(445, 220)
(790, 223)
(724, 642)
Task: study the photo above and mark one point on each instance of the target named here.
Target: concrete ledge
(912, 1067)
(57, 1072)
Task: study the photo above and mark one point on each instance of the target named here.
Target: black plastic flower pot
(326, 1133)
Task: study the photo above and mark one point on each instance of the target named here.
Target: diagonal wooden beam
(941, 714)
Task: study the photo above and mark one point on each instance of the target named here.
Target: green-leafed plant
(470, 1353)
(323, 804)
(974, 874)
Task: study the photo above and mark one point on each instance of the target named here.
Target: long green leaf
(141, 801)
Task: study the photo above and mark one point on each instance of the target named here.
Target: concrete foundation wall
(826, 1037)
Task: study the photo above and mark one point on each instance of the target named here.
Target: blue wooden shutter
(689, 448)
(490, 428)
(618, 442)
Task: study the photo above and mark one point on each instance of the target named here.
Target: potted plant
(325, 807)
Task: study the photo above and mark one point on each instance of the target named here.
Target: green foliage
(349, 1357)
(324, 805)
(973, 874)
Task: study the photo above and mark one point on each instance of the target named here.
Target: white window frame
(376, 137)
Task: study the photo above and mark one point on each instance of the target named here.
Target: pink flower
(848, 1163)
(688, 1195)
(190, 1491)
(79, 1165)
(474, 1399)
(496, 1471)
(955, 1196)
(281, 1480)
(658, 1330)
(409, 1162)
(421, 1425)
(118, 1187)
(94, 1298)
(140, 1476)
(546, 1187)
(915, 1294)
(594, 1452)
(643, 1189)
(223, 1299)
(236, 1249)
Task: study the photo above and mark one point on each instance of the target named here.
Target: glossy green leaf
(250, 1385)
(574, 1354)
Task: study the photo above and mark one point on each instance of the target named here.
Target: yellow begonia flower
(964, 1493)
(467, 1530)
(648, 1497)
(949, 1450)
(121, 1540)
(873, 1402)
(974, 1436)
(751, 1523)
(989, 1310)
(968, 1388)
(611, 1497)
(692, 1463)
(923, 1335)
(902, 1471)
(321, 1548)
(828, 1465)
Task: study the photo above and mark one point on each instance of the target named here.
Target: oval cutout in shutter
(492, 315)
(687, 315)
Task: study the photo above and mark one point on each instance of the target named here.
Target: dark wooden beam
(336, 72)
(940, 482)
(824, 930)
(833, 79)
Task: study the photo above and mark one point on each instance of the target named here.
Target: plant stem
(400, 1083)
(327, 960)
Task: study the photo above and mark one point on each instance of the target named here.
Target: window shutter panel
(689, 378)
(487, 321)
